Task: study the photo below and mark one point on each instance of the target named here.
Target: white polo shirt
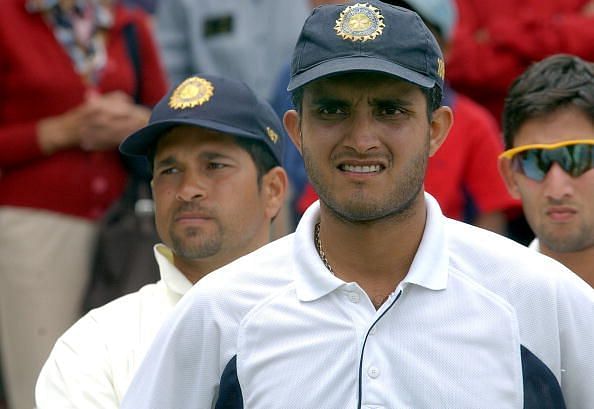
(478, 322)
(93, 362)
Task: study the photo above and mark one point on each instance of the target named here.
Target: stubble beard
(194, 243)
(581, 239)
(358, 208)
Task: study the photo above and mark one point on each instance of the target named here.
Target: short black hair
(260, 154)
(258, 151)
(557, 82)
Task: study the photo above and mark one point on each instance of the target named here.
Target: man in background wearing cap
(548, 123)
(377, 300)
(216, 152)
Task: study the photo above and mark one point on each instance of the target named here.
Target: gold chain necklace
(321, 252)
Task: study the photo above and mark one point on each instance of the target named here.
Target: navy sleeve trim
(230, 396)
(541, 388)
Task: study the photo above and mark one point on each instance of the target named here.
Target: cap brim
(350, 64)
(142, 140)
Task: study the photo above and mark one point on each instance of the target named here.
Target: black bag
(123, 259)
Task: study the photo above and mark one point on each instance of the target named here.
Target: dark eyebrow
(323, 100)
(403, 102)
(167, 161)
(382, 101)
(211, 155)
(207, 155)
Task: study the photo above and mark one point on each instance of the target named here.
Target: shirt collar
(535, 245)
(313, 279)
(174, 279)
(429, 268)
(430, 265)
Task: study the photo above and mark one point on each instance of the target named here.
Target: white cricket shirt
(92, 363)
(478, 322)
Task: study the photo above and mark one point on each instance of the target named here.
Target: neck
(580, 262)
(195, 270)
(377, 255)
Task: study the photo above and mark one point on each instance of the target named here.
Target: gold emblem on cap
(440, 68)
(273, 136)
(192, 92)
(360, 22)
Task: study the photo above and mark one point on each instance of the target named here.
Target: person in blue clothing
(147, 5)
(248, 40)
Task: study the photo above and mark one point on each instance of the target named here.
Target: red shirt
(38, 80)
(467, 161)
(496, 40)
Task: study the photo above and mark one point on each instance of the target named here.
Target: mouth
(361, 169)
(560, 214)
(189, 215)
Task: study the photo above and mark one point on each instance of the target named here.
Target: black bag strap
(138, 167)
(131, 37)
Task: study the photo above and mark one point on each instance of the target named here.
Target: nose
(558, 184)
(192, 187)
(363, 135)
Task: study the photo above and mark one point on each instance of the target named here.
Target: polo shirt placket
(371, 382)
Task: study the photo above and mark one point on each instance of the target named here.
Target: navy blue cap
(211, 102)
(371, 36)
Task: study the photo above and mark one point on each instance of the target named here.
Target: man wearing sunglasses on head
(548, 125)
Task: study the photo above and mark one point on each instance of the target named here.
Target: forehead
(361, 83)
(183, 138)
(561, 125)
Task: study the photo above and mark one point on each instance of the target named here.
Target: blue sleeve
(172, 31)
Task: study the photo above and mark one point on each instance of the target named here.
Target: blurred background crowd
(78, 76)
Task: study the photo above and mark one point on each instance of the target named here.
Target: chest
(421, 350)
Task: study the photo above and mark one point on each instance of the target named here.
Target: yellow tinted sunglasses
(575, 157)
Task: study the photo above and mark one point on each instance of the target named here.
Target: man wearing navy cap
(215, 150)
(377, 300)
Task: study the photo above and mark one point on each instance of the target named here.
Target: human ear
(509, 177)
(274, 190)
(292, 124)
(441, 122)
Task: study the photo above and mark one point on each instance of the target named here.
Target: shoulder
(89, 338)
(477, 245)
(504, 265)
(121, 318)
(16, 18)
(110, 335)
(237, 287)
(265, 268)
(545, 296)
